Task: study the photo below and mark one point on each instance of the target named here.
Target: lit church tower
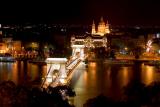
(93, 28)
(107, 28)
(102, 28)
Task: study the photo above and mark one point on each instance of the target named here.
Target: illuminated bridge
(59, 70)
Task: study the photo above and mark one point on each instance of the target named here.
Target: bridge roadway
(70, 71)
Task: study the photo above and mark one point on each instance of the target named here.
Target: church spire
(93, 23)
(107, 28)
(93, 28)
(101, 20)
(107, 22)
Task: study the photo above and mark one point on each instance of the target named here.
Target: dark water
(98, 78)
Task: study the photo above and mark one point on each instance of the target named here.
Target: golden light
(125, 75)
(85, 77)
(149, 74)
(93, 64)
(49, 80)
(126, 48)
(63, 81)
(103, 28)
(56, 60)
(34, 45)
(45, 47)
(7, 49)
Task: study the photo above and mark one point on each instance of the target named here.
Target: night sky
(118, 12)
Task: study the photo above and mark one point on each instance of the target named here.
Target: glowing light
(149, 45)
(78, 51)
(126, 48)
(102, 28)
(63, 81)
(78, 46)
(158, 35)
(148, 74)
(54, 60)
(85, 77)
(125, 76)
(93, 64)
(56, 66)
(49, 80)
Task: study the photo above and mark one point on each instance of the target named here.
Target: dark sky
(118, 12)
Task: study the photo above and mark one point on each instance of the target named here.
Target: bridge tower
(78, 51)
(56, 71)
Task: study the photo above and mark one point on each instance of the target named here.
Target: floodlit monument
(103, 28)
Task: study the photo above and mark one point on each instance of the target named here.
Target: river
(98, 78)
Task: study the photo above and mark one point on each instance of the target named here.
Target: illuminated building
(3, 47)
(80, 43)
(94, 40)
(7, 45)
(103, 28)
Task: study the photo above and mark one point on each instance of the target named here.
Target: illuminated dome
(103, 28)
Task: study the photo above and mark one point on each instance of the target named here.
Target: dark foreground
(12, 95)
(136, 95)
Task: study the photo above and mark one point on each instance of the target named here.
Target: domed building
(103, 28)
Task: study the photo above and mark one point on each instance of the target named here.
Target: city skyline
(124, 12)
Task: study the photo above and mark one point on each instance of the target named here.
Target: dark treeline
(135, 95)
(12, 95)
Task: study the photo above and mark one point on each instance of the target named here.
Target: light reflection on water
(109, 80)
(150, 74)
(88, 82)
(21, 72)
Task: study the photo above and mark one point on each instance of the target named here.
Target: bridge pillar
(56, 70)
(78, 51)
